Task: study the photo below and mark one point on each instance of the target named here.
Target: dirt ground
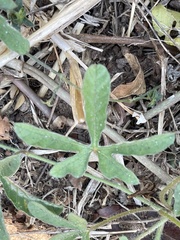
(108, 21)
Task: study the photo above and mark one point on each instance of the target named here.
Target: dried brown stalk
(88, 38)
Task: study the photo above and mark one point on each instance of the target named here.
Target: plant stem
(47, 81)
(159, 232)
(170, 217)
(154, 206)
(163, 106)
(165, 190)
(152, 229)
(119, 215)
(124, 189)
(42, 159)
(28, 153)
(5, 147)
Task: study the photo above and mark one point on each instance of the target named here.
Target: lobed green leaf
(12, 38)
(75, 165)
(110, 168)
(43, 138)
(147, 146)
(20, 198)
(96, 90)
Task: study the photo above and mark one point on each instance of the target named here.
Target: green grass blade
(110, 168)
(147, 146)
(96, 90)
(45, 139)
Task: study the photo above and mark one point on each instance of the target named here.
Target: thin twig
(32, 96)
(88, 38)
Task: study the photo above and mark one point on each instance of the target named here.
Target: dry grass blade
(130, 27)
(20, 100)
(65, 46)
(75, 94)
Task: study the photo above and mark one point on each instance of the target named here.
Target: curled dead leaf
(135, 87)
(5, 127)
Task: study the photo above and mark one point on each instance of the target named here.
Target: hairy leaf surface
(10, 165)
(147, 146)
(96, 90)
(75, 165)
(110, 168)
(12, 38)
(20, 198)
(43, 138)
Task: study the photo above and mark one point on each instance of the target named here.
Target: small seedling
(18, 17)
(95, 92)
